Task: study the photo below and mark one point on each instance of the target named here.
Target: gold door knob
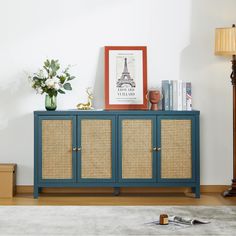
(154, 149)
(158, 149)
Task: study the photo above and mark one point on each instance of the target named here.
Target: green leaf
(52, 62)
(65, 71)
(52, 92)
(47, 63)
(52, 74)
(62, 79)
(55, 65)
(61, 91)
(67, 86)
(46, 68)
(71, 78)
(36, 78)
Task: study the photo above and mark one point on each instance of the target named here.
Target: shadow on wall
(211, 85)
(16, 136)
(198, 62)
(99, 82)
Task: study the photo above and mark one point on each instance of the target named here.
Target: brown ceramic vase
(154, 97)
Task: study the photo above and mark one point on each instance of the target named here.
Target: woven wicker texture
(56, 149)
(176, 158)
(137, 149)
(96, 153)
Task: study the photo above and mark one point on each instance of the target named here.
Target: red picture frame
(142, 102)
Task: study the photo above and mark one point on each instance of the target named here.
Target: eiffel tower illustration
(125, 77)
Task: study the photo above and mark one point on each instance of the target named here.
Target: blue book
(165, 85)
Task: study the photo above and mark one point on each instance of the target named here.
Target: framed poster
(126, 77)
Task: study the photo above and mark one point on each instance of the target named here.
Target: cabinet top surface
(114, 112)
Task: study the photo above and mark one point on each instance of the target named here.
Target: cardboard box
(7, 180)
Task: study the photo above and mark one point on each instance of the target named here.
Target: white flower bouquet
(51, 80)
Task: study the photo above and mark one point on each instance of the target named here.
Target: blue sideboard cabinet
(102, 148)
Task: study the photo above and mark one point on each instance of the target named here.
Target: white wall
(180, 40)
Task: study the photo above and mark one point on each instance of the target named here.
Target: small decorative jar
(164, 219)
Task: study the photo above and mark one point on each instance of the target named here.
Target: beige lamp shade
(225, 41)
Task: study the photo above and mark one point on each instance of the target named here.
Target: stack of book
(177, 95)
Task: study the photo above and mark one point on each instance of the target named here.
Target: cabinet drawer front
(176, 156)
(97, 148)
(56, 157)
(136, 144)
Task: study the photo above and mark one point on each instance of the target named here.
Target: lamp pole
(232, 191)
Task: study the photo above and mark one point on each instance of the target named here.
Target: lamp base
(232, 191)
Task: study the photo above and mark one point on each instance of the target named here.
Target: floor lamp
(225, 45)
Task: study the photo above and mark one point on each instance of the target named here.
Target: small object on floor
(164, 219)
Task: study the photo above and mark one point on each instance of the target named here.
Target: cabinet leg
(197, 192)
(116, 191)
(36, 192)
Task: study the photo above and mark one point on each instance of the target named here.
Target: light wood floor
(123, 199)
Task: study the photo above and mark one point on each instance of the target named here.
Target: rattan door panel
(136, 145)
(56, 149)
(96, 157)
(176, 159)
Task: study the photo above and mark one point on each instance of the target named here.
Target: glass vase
(50, 103)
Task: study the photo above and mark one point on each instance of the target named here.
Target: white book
(180, 95)
(175, 95)
(184, 96)
(171, 94)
